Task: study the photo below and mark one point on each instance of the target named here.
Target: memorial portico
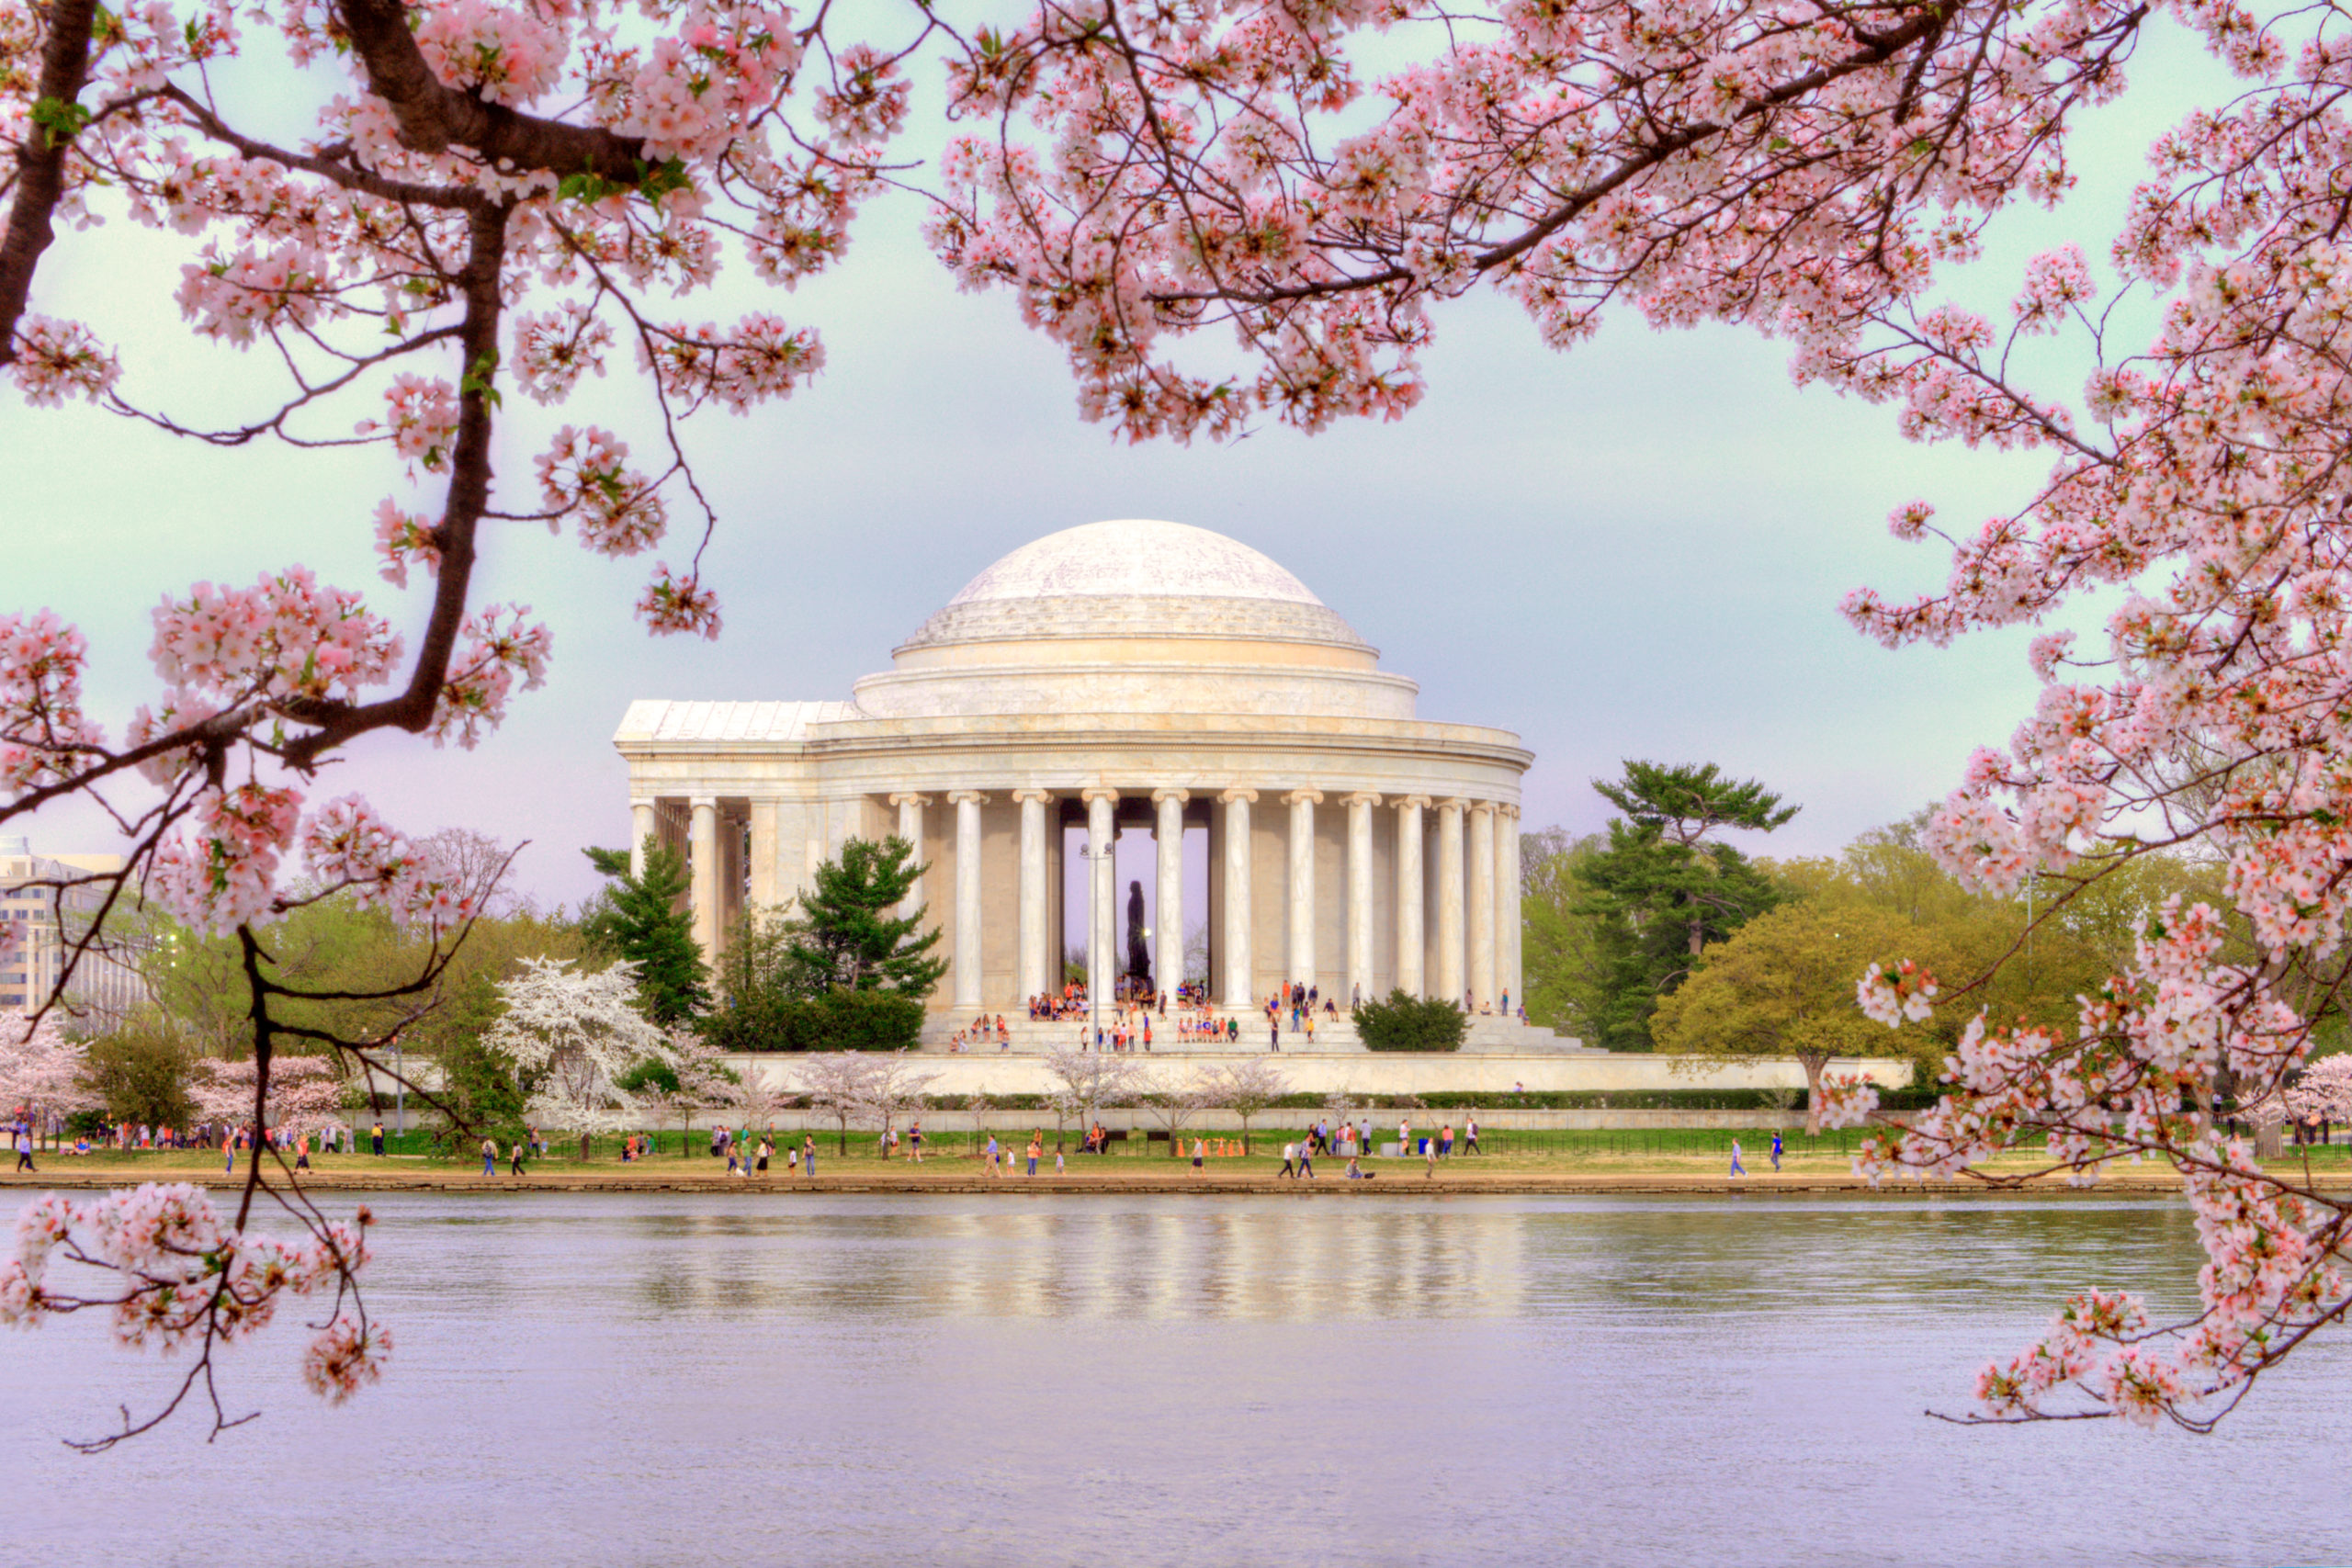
(1132, 678)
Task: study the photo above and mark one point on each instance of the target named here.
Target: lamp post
(1094, 938)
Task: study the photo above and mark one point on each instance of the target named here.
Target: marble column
(910, 810)
(1411, 893)
(1034, 943)
(1507, 910)
(1481, 909)
(761, 833)
(640, 828)
(1102, 903)
(1168, 835)
(1235, 939)
(1358, 976)
(966, 961)
(702, 855)
(1448, 983)
(1299, 961)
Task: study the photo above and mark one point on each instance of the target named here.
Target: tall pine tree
(644, 918)
(849, 933)
(1666, 886)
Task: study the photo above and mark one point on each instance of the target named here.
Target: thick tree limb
(40, 162)
(435, 116)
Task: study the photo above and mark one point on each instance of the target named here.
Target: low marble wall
(1376, 1073)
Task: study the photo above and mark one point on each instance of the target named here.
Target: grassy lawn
(1614, 1151)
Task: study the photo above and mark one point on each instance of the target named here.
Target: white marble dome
(1136, 577)
(1136, 557)
(1136, 615)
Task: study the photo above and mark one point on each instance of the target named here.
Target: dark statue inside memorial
(1138, 959)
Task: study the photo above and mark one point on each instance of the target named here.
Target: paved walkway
(962, 1176)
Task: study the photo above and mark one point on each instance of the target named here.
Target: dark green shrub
(839, 1020)
(1408, 1023)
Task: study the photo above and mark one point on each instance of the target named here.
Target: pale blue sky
(1633, 550)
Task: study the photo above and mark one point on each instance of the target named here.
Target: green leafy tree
(1665, 886)
(848, 933)
(139, 1071)
(1783, 985)
(482, 1089)
(1567, 962)
(642, 919)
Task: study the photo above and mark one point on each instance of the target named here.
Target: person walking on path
(24, 1151)
(1428, 1150)
(1737, 1169)
(489, 1157)
(914, 1140)
(1445, 1142)
(1470, 1136)
(515, 1158)
(808, 1156)
(302, 1152)
(987, 1156)
(1289, 1161)
(1061, 1168)
(1776, 1148)
(1274, 1035)
(1306, 1159)
(1036, 1147)
(1200, 1148)
(376, 1140)
(767, 1152)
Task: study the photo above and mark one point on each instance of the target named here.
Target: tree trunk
(1812, 1065)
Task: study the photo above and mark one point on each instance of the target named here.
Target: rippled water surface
(747, 1380)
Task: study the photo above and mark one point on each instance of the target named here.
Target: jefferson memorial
(1140, 675)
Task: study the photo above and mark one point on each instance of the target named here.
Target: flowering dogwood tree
(575, 1037)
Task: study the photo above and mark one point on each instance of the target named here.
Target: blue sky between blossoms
(1633, 550)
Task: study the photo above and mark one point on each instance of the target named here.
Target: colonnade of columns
(1478, 947)
(1475, 954)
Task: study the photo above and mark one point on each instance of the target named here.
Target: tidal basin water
(749, 1380)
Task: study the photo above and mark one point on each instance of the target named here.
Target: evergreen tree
(1665, 887)
(842, 973)
(644, 919)
(848, 933)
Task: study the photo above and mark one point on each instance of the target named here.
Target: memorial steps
(1484, 1035)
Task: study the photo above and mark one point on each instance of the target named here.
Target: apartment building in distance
(45, 907)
